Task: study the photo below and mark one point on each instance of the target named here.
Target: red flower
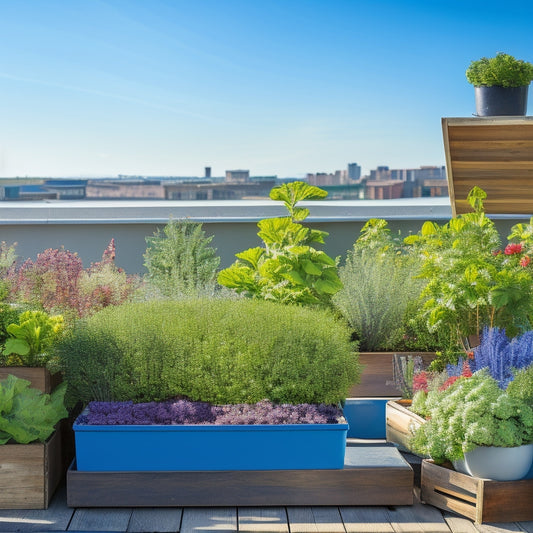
(466, 373)
(512, 249)
(525, 261)
(449, 382)
(420, 382)
(470, 355)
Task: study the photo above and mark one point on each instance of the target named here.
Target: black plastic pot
(498, 101)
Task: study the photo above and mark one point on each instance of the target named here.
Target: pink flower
(420, 382)
(512, 249)
(525, 261)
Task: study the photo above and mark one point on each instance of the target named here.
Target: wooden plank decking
(417, 518)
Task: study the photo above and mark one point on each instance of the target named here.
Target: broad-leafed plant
(30, 340)
(26, 414)
(287, 268)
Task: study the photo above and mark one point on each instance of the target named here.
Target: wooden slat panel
(100, 520)
(418, 518)
(270, 519)
(160, 520)
(458, 524)
(473, 150)
(315, 520)
(209, 520)
(366, 520)
(496, 155)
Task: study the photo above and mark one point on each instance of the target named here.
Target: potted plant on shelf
(30, 447)
(501, 85)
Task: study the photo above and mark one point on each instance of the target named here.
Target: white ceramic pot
(460, 466)
(500, 464)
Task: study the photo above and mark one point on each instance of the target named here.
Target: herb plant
(26, 414)
(216, 350)
(502, 70)
(180, 260)
(194, 413)
(379, 288)
(287, 269)
(472, 412)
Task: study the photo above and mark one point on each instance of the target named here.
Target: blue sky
(281, 87)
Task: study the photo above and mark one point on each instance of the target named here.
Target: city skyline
(281, 88)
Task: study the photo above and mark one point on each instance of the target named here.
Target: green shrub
(180, 261)
(215, 350)
(8, 315)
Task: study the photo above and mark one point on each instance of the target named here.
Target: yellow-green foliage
(215, 350)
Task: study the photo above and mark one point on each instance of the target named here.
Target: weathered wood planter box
(371, 475)
(401, 423)
(377, 376)
(39, 377)
(209, 447)
(29, 473)
(481, 500)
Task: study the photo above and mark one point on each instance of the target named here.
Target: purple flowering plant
(187, 412)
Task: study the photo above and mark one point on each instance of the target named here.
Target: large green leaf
(28, 415)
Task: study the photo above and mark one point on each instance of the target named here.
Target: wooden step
(372, 475)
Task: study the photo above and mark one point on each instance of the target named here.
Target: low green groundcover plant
(186, 412)
(222, 351)
(26, 414)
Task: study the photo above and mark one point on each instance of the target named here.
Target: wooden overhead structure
(494, 153)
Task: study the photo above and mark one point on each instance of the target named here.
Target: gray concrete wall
(87, 227)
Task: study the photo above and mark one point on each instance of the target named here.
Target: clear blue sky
(282, 87)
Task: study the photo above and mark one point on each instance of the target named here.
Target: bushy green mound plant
(288, 268)
(221, 351)
(180, 260)
(503, 70)
(26, 414)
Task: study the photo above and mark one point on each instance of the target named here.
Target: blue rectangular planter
(209, 447)
(366, 417)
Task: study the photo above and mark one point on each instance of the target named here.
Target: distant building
(383, 190)
(237, 176)
(207, 173)
(125, 189)
(255, 188)
(354, 171)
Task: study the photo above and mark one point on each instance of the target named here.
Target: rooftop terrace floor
(417, 518)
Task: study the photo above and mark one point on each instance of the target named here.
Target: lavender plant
(499, 354)
(196, 413)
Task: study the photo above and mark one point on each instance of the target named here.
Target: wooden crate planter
(39, 377)
(481, 500)
(29, 473)
(376, 378)
(372, 475)
(401, 423)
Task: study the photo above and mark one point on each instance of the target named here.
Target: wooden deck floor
(405, 519)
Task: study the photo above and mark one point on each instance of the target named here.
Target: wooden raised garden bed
(481, 500)
(377, 378)
(39, 377)
(372, 475)
(401, 423)
(29, 473)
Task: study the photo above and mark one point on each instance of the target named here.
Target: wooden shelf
(494, 153)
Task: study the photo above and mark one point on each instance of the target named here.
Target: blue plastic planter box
(366, 417)
(209, 447)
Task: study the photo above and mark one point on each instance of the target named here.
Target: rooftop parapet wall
(87, 227)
